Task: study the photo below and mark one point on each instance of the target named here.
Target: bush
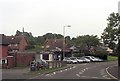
(101, 54)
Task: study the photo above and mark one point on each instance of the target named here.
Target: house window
(10, 45)
(46, 56)
(3, 61)
(16, 45)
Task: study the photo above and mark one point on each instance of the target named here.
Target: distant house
(53, 49)
(12, 51)
(17, 43)
(3, 50)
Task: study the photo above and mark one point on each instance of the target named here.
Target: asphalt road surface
(94, 70)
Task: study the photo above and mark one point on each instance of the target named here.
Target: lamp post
(64, 39)
(118, 51)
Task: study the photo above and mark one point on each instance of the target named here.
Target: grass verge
(112, 58)
(46, 71)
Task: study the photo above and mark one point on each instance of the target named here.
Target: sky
(51, 16)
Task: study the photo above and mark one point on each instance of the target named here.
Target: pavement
(25, 73)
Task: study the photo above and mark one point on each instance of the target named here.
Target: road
(93, 70)
(98, 70)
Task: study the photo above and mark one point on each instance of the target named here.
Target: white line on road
(65, 69)
(78, 75)
(48, 75)
(54, 73)
(109, 73)
(61, 71)
(104, 76)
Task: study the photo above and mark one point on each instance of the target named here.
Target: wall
(22, 45)
(11, 62)
(3, 55)
(24, 59)
(3, 51)
(20, 59)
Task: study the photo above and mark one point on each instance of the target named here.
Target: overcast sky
(49, 16)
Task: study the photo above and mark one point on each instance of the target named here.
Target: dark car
(41, 64)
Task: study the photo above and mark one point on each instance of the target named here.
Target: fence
(56, 64)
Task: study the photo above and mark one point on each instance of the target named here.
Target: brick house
(53, 49)
(17, 43)
(12, 51)
(3, 51)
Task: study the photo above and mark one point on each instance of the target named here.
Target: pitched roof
(53, 43)
(14, 39)
(10, 39)
(3, 40)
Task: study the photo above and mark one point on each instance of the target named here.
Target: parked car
(99, 60)
(42, 64)
(85, 60)
(73, 60)
(68, 60)
(80, 59)
(39, 64)
(91, 58)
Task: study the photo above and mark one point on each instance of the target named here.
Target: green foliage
(85, 41)
(81, 41)
(101, 52)
(112, 58)
(111, 33)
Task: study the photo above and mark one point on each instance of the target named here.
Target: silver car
(73, 60)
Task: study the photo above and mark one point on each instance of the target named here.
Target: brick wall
(11, 62)
(22, 45)
(24, 59)
(20, 59)
(3, 51)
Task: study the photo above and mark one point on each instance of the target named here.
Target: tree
(111, 34)
(18, 33)
(109, 37)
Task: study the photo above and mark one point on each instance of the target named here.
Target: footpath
(25, 73)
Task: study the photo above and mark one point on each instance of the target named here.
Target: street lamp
(118, 39)
(64, 38)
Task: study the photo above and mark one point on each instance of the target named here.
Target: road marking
(91, 77)
(48, 75)
(70, 68)
(78, 75)
(86, 68)
(61, 71)
(104, 76)
(74, 66)
(54, 73)
(109, 73)
(82, 70)
(65, 69)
